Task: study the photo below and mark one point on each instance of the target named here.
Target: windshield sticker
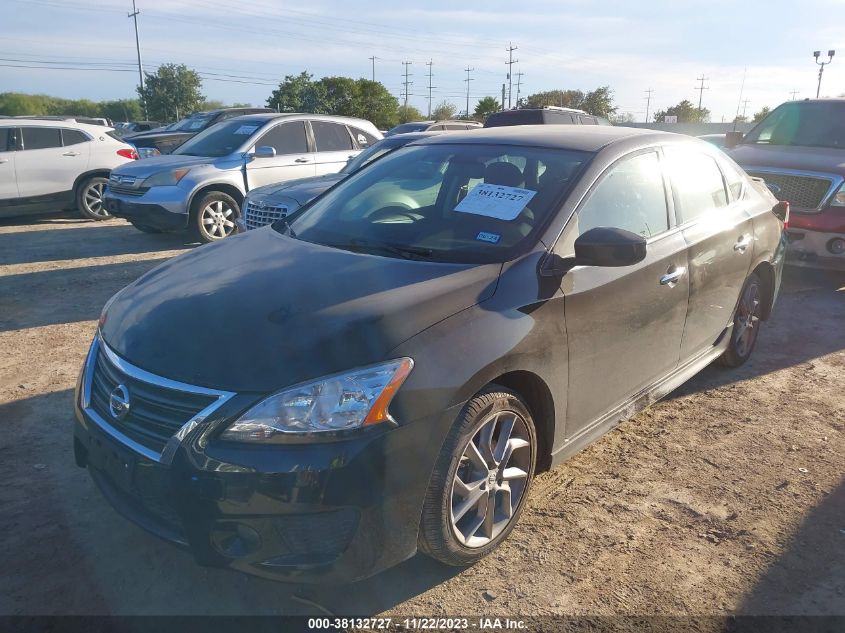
(495, 201)
(195, 125)
(246, 130)
(484, 236)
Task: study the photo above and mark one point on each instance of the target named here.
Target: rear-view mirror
(265, 151)
(604, 246)
(732, 139)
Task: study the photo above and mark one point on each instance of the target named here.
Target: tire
(146, 229)
(450, 514)
(89, 198)
(213, 217)
(746, 326)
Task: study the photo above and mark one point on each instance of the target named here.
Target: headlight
(147, 152)
(166, 178)
(336, 403)
(839, 198)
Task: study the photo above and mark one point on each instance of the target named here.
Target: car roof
(93, 130)
(269, 116)
(407, 137)
(587, 138)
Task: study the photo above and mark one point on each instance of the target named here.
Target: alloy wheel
(491, 479)
(218, 219)
(747, 322)
(92, 198)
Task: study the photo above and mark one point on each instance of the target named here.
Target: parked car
(549, 115)
(134, 127)
(799, 150)
(164, 141)
(89, 120)
(717, 140)
(319, 399)
(202, 184)
(433, 126)
(48, 165)
(267, 204)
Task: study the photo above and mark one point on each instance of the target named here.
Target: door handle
(71, 154)
(301, 160)
(743, 243)
(672, 277)
(3, 160)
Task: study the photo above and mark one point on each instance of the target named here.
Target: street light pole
(830, 55)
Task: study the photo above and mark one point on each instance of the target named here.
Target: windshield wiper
(405, 252)
(285, 225)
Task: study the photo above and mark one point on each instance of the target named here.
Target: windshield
(193, 123)
(448, 203)
(811, 124)
(367, 156)
(221, 139)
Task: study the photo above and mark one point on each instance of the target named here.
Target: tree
(173, 91)
(296, 93)
(376, 104)
(409, 113)
(599, 102)
(622, 119)
(444, 111)
(485, 107)
(122, 110)
(762, 114)
(338, 95)
(560, 98)
(686, 113)
(211, 104)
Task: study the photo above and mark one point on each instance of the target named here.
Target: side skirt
(642, 400)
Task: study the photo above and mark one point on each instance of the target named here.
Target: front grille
(258, 215)
(802, 192)
(155, 412)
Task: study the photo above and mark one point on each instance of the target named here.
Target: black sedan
(387, 369)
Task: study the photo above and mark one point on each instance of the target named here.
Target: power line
(468, 70)
(648, 93)
(510, 49)
(701, 88)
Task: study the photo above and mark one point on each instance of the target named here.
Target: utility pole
(792, 94)
(816, 54)
(518, 84)
(406, 84)
(503, 97)
(648, 94)
(744, 107)
(701, 88)
(429, 63)
(468, 70)
(373, 59)
(511, 61)
(134, 16)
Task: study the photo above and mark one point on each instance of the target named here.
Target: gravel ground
(726, 498)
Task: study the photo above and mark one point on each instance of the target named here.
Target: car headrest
(503, 173)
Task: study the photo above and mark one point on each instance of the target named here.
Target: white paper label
(495, 201)
(246, 130)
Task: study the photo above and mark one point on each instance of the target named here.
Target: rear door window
(41, 137)
(331, 137)
(697, 182)
(73, 137)
(287, 138)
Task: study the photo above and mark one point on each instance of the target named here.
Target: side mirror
(604, 246)
(265, 151)
(732, 139)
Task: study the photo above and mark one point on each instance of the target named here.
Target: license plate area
(115, 461)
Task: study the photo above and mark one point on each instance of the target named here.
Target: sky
(243, 50)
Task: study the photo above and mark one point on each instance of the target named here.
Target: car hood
(150, 166)
(302, 189)
(823, 159)
(260, 311)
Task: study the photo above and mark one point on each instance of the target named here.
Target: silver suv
(202, 184)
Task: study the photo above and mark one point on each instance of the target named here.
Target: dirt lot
(727, 497)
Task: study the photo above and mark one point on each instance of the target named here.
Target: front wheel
(213, 217)
(746, 326)
(89, 198)
(481, 479)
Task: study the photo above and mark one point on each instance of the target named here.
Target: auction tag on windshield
(246, 130)
(495, 201)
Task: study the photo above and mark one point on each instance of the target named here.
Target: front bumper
(334, 511)
(163, 208)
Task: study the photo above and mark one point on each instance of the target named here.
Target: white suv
(52, 165)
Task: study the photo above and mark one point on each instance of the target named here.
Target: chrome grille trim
(169, 451)
(834, 181)
(258, 215)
